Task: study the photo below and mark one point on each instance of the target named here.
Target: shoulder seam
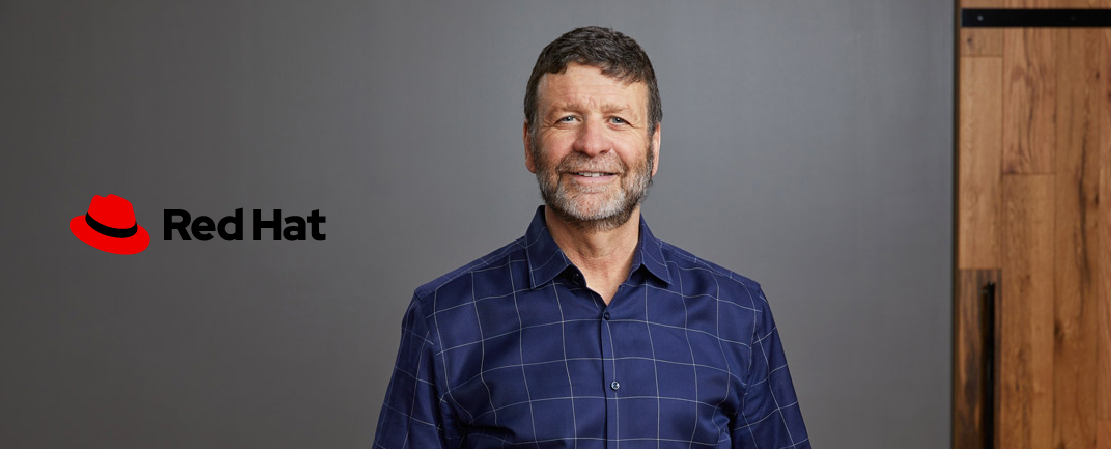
(714, 268)
(489, 259)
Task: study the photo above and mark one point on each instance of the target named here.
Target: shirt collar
(546, 260)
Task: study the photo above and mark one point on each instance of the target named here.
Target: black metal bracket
(1024, 18)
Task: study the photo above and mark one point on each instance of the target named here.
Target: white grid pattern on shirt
(504, 259)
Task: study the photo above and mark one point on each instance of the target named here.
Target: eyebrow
(606, 108)
(615, 108)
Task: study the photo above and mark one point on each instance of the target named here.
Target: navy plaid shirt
(512, 350)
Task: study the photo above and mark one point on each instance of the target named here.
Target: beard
(590, 208)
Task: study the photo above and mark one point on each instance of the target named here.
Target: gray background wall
(805, 144)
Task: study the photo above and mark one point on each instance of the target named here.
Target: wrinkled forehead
(583, 86)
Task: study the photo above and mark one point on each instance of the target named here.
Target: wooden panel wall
(1103, 396)
(1034, 161)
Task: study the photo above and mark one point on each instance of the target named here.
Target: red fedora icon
(110, 226)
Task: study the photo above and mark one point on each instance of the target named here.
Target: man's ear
(530, 163)
(656, 145)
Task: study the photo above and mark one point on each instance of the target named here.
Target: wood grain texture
(1053, 238)
(969, 427)
(1032, 3)
(1080, 4)
(980, 153)
(1104, 268)
(1104, 439)
(1076, 241)
(981, 42)
(1026, 317)
(982, 3)
(1028, 100)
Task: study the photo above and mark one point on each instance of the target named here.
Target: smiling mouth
(592, 174)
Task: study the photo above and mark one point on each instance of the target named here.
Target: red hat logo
(110, 226)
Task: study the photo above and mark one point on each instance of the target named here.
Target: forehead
(585, 86)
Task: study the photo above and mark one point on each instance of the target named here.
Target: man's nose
(592, 138)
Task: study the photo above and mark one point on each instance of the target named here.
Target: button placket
(609, 377)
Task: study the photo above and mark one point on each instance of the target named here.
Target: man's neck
(604, 255)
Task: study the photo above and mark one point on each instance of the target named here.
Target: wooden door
(1034, 215)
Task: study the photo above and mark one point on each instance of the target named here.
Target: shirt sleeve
(413, 415)
(769, 416)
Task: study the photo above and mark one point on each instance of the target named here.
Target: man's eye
(618, 120)
(569, 118)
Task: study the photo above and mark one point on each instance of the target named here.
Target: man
(588, 331)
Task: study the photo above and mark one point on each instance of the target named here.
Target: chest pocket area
(537, 400)
(680, 380)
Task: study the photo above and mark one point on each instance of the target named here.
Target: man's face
(593, 156)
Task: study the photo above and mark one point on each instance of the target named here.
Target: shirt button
(615, 386)
(606, 316)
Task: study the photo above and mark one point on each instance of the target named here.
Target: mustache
(578, 162)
